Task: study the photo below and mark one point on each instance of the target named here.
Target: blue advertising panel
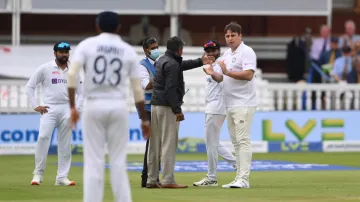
(269, 126)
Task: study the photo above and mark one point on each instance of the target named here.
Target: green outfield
(279, 186)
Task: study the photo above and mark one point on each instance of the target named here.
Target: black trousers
(144, 175)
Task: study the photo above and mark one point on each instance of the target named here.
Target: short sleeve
(79, 54)
(249, 59)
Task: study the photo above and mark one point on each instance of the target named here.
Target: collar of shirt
(57, 67)
(239, 48)
(105, 34)
(150, 60)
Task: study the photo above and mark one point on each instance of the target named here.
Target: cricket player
(54, 114)
(215, 114)
(108, 62)
(238, 69)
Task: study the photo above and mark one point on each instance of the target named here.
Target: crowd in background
(326, 59)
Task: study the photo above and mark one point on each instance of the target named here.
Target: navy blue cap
(211, 44)
(62, 46)
(334, 39)
(108, 21)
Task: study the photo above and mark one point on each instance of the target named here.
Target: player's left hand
(223, 67)
(74, 117)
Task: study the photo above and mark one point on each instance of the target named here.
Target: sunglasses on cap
(210, 44)
(63, 45)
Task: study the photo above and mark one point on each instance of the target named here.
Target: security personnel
(147, 72)
(169, 90)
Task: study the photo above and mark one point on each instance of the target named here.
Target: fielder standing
(108, 62)
(215, 114)
(238, 69)
(54, 114)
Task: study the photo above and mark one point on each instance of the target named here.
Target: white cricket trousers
(58, 116)
(105, 122)
(213, 124)
(239, 125)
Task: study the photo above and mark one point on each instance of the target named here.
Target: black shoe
(143, 181)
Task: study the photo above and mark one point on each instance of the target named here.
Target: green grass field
(287, 186)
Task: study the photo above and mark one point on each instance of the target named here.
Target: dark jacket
(352, 77)
(168, 84)
(296, 60)
(325, 57)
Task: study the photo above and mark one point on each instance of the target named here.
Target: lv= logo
(301, 132)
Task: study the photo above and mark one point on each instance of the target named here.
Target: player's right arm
(79, 59)
(34, 80)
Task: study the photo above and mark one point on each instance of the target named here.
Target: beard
(62, 60)
(217, 56)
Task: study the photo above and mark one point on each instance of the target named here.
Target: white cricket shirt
(214, 99)
(240, 93)
(53, 84)
(108, 63)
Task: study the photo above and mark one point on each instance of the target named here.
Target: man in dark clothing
(354, 75)
(166, 113)
(331, 55)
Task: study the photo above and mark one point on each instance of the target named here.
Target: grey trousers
(163, 144)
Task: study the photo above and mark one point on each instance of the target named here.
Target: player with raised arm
(215, 114)
(108, 62)
(54, 114)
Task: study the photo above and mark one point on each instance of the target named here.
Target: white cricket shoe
(240, 184)
(206, 182)
(37, 179)
(64, 182)
(227, 186)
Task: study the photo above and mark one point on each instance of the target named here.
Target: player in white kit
(54, 114)
(215, 114)
(238, 77)
(108, 62)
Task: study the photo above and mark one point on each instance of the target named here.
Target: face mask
(154, 54)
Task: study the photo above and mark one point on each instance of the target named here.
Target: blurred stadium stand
(30, 27)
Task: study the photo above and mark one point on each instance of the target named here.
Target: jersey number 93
(102, 66)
